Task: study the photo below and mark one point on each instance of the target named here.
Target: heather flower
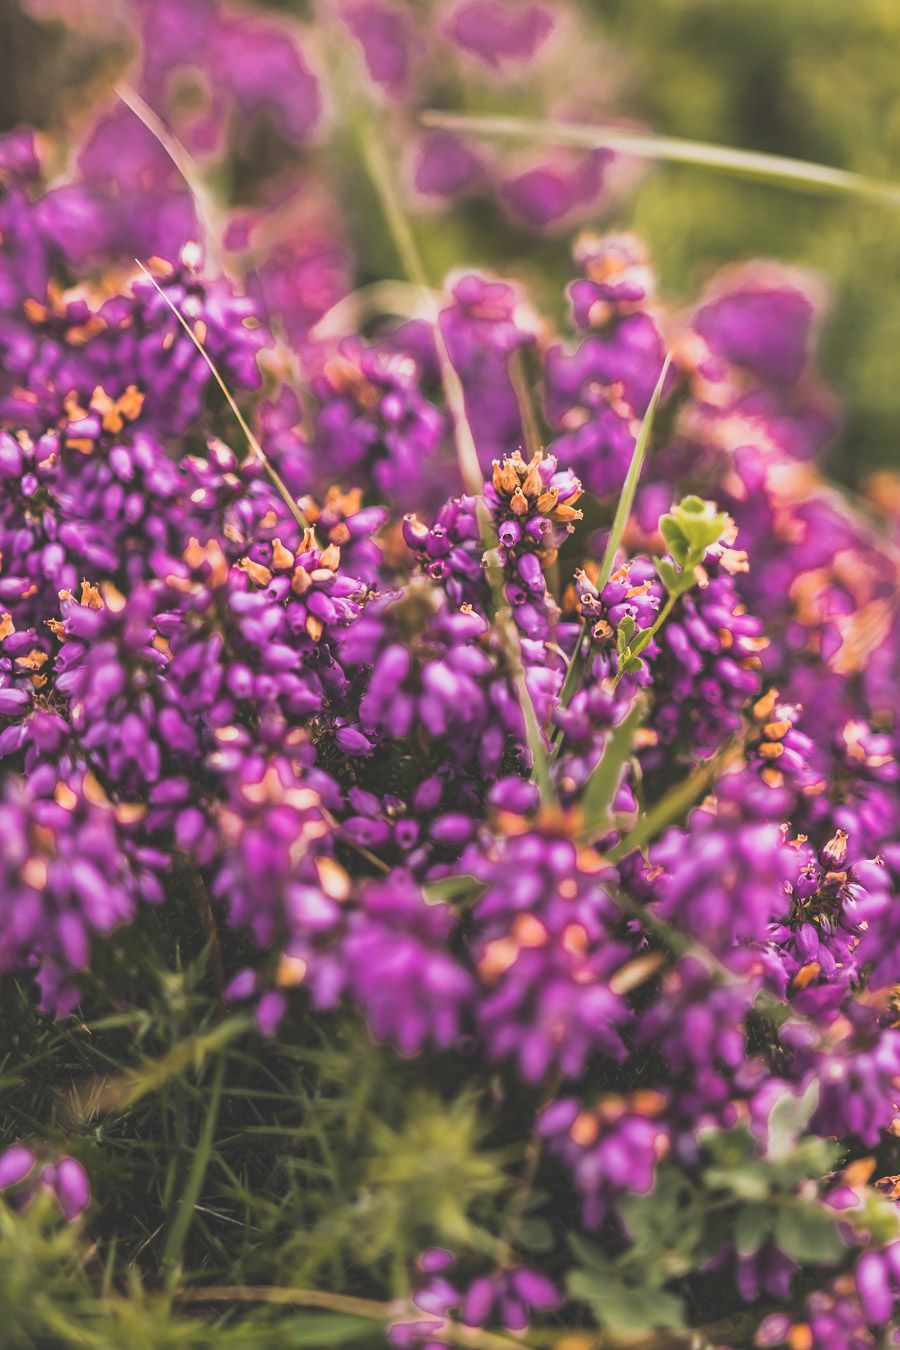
(546, 956)
(397, 968)
(446, 682)
(374, 425)
(761, 319)
(65, 1179)
(858, 1080)
(697, 1024)
(532, 505)
(497, 33)
(484, 328)
(508, 1297)
(63, 348)
(250, 65)
(445, 165)
(610, 1149)
(727, 883)
(596, 395)
(273, 874)
(554, 189)
(846, 1312)
(70, 873)
(385, 34)
(768, 1272)
(127, 200)
(617, 279)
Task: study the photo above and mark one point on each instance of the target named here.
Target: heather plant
(448, 753)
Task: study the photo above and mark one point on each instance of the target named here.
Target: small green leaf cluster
(743, 1197)
(630, 640)
(691, 528)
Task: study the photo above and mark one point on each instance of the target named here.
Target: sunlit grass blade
(799, 174)
(629, 490)
(110, 1095)
(242, 422)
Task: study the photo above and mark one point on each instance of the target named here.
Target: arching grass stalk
(186, 166)
(799, 174)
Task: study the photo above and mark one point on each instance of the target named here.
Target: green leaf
(807, 1231)
(753, 1225)
(600, 788)
(623, 1309)
(536, 1235)
(670, 577)
(674, 537)
(588, 1253)
(463, 886)
(673, 805)
(322, 1329)
(788, 1118)
(625, 632)
(691, 527)
(666, 1227)
(748, 1181)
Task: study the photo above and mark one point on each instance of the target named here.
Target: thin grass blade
(799, 174)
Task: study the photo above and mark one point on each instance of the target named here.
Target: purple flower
(384, 32)
(611, 1149)
(496, 32)
(397, 969)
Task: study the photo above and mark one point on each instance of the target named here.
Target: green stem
(184, 1214)
(530, 430)
(411, 260)
(187, 167)
(447, 1333)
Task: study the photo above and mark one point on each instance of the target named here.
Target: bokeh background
(812, 79)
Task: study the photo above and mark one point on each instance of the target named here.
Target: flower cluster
(588, 804)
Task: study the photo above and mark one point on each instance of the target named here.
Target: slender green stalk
(184, 1214)
(466, 449)
(530, 430)
(600, 788)
(624, 505)
(629, 488)
(505, 626)
(447, 1333)
(798, 174)
(411, 260)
